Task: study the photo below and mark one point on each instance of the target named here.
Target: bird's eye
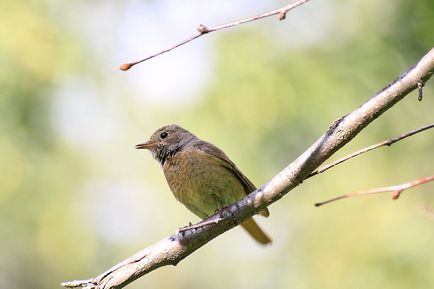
(163, 134)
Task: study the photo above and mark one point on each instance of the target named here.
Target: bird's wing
(227, 163)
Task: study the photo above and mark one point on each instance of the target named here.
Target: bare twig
(171, 250)
(394, 190)
(388, 142)
(202, 29)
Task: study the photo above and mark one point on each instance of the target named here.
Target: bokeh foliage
(69, 210)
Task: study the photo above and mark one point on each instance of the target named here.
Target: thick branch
(175, 248)
(394, 190)
(388, 142)
(202, 29)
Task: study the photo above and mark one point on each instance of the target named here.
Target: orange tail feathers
(255, 231)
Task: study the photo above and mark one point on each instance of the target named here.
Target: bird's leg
(198, 225)
(224, 210)
(185, 228)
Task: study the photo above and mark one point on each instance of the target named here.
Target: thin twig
(394, 190)
(388, 142)
(202, 29)
(78, 283)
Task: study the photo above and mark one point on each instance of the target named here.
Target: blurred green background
(76, 198)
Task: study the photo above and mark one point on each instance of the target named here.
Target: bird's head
(167, 141)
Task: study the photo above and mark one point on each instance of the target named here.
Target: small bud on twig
(203, 29)
(125, 66)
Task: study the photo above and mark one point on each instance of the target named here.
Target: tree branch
(171, 250)
(202, 29)
(388, 142)
(395, 190)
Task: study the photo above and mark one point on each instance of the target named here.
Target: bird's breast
(201, 181)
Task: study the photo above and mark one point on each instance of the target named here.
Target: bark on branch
(171, 250)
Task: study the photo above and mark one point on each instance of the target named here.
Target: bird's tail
(255, 231)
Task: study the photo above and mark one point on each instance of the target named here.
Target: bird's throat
(163, 153)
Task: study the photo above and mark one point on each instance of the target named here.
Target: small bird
(200, 175)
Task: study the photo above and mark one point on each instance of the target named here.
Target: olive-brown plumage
(200, 175)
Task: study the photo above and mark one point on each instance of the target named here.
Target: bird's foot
(182, 230)
(224, 211)
(200, 225)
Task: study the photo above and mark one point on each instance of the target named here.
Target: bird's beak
(147, 145)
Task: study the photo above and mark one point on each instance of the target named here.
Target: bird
(200, 175)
